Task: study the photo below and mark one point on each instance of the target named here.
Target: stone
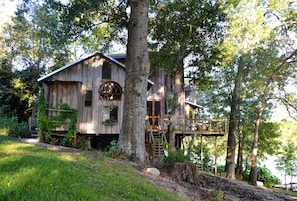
(260, 184)
(153, 171)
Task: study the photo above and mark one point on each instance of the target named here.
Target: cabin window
(106, 70)
(88, 98)
(110, 91)
(110, 114)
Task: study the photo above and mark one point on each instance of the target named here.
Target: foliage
(201, 31)
(265, 176)
(287, 159)
(113, 150)
(169, 158)
(221, 169)
(34, 173)
(207, 163)
(93, 24)
(45, 124)
(12, 127)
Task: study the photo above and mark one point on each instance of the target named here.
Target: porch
(157, 135)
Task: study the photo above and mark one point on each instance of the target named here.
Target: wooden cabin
(94, 86)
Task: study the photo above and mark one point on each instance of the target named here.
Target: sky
(7, 9)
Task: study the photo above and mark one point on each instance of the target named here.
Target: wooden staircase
(155, 141)
(158, 146)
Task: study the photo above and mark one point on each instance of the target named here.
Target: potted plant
(110, 122)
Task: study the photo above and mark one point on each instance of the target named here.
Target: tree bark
(178, 89)
(132, 135)
(239, 166)
(233, 123)
(253, 173)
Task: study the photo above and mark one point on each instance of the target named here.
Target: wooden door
(154, 112)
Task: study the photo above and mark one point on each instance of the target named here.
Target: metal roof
(78, 61)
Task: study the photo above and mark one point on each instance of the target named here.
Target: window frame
(110, 91)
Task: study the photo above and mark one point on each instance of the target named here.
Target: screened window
(110, 91)
(106, 70)
(88, 98)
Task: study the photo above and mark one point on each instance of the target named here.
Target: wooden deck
(204, 127)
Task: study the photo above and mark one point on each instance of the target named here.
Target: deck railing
(194, 126)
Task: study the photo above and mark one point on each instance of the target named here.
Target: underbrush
(29, 173)
(10, 126)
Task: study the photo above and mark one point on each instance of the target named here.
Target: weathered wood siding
(70, 85)
(159, 91)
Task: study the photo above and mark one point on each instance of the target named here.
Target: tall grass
(34, 173)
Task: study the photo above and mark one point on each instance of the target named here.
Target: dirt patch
(213, 187)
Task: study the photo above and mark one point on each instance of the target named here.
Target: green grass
(33, 173)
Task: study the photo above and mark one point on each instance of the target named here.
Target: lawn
(28, 172)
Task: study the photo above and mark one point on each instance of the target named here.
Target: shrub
(11, 126)
(113, 150)
(169, 158)
(265, 176)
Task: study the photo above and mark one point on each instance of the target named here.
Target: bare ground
(213, 187)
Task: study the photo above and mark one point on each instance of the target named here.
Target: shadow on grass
(29, 172)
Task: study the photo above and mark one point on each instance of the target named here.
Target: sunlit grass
(33, 173)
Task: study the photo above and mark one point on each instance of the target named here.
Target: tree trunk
(239, 166)
(233, 123)
(132, 135)
(253, 173)
(179, 98)
(185, 172)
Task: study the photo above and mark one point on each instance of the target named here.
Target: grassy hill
(28, 172)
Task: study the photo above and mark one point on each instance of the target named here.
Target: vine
(46, 124)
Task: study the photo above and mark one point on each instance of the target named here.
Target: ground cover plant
(29, 172)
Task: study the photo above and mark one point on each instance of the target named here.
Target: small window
(110, 114)
(88, 98)
(106, 70)
(110, 91)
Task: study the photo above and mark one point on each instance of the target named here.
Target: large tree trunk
(132, 135)
(253, 173)
(233, 123)
(179, 98)
(239, 166)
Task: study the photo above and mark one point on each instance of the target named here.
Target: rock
(260, 184)
(153, 171)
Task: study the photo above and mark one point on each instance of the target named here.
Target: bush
(11, 126)
(265, 176)
(169, 158)
(113, 150)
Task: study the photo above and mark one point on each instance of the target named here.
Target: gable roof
(78, 61)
